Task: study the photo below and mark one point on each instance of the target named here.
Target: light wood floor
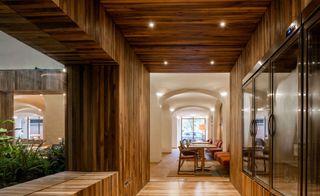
(160, 184)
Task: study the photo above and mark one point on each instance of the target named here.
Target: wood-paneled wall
(270, 30)
(251, 188)
(91, 118)
(83, 31)
(133, 118)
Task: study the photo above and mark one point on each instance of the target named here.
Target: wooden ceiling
(187, 33)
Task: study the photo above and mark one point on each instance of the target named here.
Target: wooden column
(91, 118)
(6, 109)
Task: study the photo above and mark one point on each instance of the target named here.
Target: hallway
(117, 86)
(161, 184)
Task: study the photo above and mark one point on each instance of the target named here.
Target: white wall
(166, 130)
(155, 127)
(54, 118)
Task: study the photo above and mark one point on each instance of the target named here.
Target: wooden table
(200, 147)
(200, 142)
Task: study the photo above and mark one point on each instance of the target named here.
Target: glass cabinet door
(285, 130)
(262, 103)
(313, 151)
(247, 127)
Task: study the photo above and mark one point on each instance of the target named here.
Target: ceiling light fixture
(222, 24)
(212, 109)
(165, 63)
(151, 25)
(171, 109)
(64, 70)
(224, 94)
(212, 62)
(159, 94)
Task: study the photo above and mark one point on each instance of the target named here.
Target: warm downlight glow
(151, 25)
(224, 94)
(222, 24)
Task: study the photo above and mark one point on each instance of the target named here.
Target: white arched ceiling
(188, 111)
(35, 101)
(216, 96)
(214, 82)
(190, 98)
(196, 89)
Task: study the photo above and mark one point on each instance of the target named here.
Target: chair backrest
(219, 144)
(184, 143)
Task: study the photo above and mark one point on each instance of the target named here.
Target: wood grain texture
(33, 81)
(269, 32)
(6, 109)
(68, 183)
(251, 188)
(91, 118)
(187, 33)
(81, 33)
(45, 27)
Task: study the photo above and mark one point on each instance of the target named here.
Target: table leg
(202, 160)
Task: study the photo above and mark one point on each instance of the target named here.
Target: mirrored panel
(247, 123)
(285, 122)
(313, 167)
(262, 102)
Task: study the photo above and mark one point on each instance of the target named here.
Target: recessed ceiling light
(151, 25)
(223, 94)
(171, 109)
(41, 95)
(159, 94)
(212, 62)
(165, 62)
(64, 70)
(212, 109)
(222, 24)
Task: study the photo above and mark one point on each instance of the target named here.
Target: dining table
(200, 147)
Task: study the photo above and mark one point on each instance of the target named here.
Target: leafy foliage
(23, 162)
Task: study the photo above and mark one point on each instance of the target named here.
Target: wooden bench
(68, 183)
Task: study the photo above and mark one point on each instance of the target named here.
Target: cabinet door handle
(254, 129)
(251, 128)
(273, 125)
(269, 125)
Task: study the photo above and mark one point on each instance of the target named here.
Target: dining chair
(187, 155)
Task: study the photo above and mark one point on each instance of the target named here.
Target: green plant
(23, 162)
(56, 158)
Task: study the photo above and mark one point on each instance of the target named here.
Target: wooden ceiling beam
(43, 25)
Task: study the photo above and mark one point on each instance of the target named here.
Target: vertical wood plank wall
(91, 118)
(92, 36)
(132, 135)
(270, 30)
